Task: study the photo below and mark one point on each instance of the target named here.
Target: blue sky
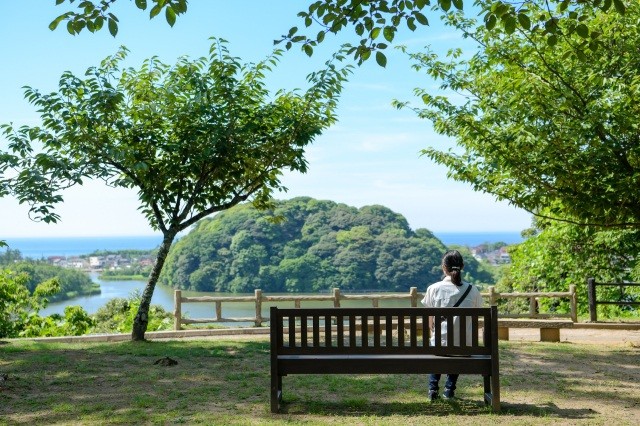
(371, 156)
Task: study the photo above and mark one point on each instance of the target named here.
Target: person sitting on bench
(450, 292)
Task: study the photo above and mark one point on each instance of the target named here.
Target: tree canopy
(553, 131)
(193, 139)
(375, 22)
(308, 245)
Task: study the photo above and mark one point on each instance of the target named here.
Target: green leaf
(54, 24)
(524, 20)
(582, 30)
(552, 40)
(381, 59)
(113, 27)
(510, 24)
(421, 18)
(620, 6)
(141, 4)
(307, 49)
(170, 15)
(389, 33)
(155, 10)
(375, 33)
(490, 22)
(59, 2)
(458, 4)
(445, 4)
(411, 24)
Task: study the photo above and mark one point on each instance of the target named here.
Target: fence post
(492, 296)
(532, 306)
(413, 291)
(218, 310)
(591, 288)
(336, 297)
(258, 308)
(177, 310)
(574, 303)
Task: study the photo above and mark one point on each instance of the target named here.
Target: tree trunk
(141, 320)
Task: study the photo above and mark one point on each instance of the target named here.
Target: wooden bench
(328, 341)
(549, 329)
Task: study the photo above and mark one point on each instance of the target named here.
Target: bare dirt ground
(580, 335)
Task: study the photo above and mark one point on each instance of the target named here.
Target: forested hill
(314, 246)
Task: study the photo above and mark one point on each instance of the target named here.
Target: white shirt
(445, 294)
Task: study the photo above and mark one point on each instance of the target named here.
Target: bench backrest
(384, 331)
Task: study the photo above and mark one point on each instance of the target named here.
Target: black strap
(459, 301)
(463, 296)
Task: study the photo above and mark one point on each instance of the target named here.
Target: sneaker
(448, 394)
(433, 395)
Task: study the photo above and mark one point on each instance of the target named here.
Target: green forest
(73, 283)
(308, 245)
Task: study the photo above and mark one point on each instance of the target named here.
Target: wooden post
(503, 333)
(591, 288)
(374, 302)
(336, 297)
(258, 308)
(413, 291)
(218, 310)
(296, 303)
(549, 334)
(574, 303)
(492, 296)
(532, 306)
(177, 310)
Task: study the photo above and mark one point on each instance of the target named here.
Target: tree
(553, 131)
(368, 19)
(193, 139)
(557, 254)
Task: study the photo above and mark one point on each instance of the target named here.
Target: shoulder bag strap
(463, 296)
(442, 318)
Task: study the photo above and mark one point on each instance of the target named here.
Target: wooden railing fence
(533, 297)
(336, 297)
(594, 302)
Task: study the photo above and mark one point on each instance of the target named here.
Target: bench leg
(276, 393)
(503, 333)
(549, 334)
(495, 393)
(487, 389)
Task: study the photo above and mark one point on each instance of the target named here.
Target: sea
(38, 248)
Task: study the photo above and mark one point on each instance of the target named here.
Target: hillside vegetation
(308, 245)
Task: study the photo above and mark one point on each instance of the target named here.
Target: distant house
(95, 262)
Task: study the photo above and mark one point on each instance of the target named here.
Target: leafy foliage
(553, 131)
(558, 254)
(117, 316)
(19, 308)
(307, 245)
(375, 22)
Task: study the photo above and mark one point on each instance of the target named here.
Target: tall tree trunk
(141, 320)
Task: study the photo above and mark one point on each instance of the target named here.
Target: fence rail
(336, 297)
(594, 302)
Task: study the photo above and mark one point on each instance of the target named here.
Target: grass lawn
(226, 381)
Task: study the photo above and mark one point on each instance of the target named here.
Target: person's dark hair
(452, 263)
